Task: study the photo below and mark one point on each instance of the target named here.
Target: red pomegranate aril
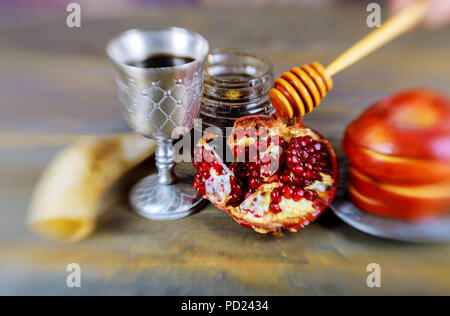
(310, 195)
(287, 192)
(298, 194)
(317, 146)
(285, 178)
(307, 174)
(298, 170)
(236, 188)
(275, 208)
(309, 139)
(317, 168)
(202, 189)
(205, 174)
(205, 166)
(199, 185)
(254, 174)
(254, 183)
(293, 160)
(281, 142)
(234, 197)
(291, 151)
(218, 167)
(254, 165)
(276, 196)
(297, 180)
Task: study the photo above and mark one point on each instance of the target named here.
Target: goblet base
(156, 201)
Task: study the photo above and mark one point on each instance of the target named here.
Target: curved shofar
(65, 203)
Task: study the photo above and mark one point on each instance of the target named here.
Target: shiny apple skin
(413, 124)
(411, 203)
(395, 170)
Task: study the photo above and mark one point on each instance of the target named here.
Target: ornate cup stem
(165, 161)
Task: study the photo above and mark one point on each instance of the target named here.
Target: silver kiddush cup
(162, 104)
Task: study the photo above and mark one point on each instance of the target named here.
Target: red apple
(399, 150)
(403, 202)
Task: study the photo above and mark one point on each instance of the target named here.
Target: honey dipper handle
(394, 27)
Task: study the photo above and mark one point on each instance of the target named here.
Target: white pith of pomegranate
(279, 179)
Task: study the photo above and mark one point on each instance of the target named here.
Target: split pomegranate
(283, 175)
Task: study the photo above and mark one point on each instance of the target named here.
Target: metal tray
(430, 232)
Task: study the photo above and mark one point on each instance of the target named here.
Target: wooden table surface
(56, 83)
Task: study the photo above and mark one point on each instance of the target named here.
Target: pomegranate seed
(293, 160)
(310, 195)
(309, 140)
(287, 192)
(276, 196)
(218, 167)
(298, 194)
(297, 180)
(285, 178)
(318, 146)
(304, 155)
(254, 165)
(291, 152)
(275, 208)
(307, 174)
(298, 170)
(234, 197)
(317, 168)
(254, 173)
(254, 183)
(205, 174)
(206, 166)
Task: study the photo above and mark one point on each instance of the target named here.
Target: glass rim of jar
(265, 75)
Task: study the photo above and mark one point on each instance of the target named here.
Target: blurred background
(56, 84)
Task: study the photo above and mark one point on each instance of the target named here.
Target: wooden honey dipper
(300, 90)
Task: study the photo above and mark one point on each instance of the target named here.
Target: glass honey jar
(236, 83)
